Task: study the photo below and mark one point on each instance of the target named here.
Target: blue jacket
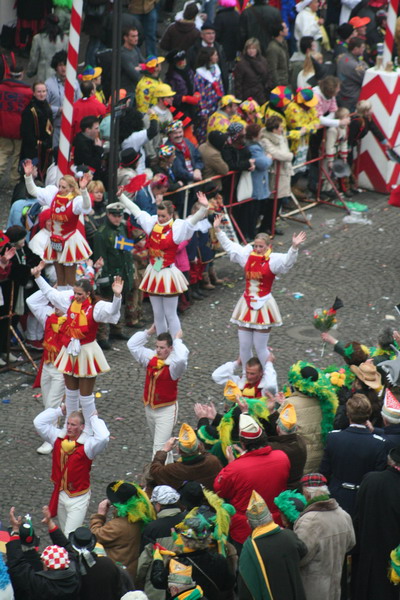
(349, 455)
(260, 175)
(391, 435)
(145, 202)
(179, 167)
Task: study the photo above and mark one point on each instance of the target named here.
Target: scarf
(78, 326)
(193, 594)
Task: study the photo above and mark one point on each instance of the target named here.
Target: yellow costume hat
(228, 99)
(179, 573)
(187, 440)
(231, 390)
(163, 90)
(287, 419)
(257, 509)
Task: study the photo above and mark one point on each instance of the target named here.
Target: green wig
(321, 389)
(286, 502)
(137, 508)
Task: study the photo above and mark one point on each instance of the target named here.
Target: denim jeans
(149, 22)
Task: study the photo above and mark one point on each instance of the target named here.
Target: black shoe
(104, 344)
(118, 335)
(327, 195)
(196, 295)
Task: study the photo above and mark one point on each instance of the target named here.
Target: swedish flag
(122, 243)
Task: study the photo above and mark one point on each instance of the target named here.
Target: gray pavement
(359, 263)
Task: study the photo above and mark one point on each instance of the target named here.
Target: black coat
(37, 133)
(259, 21)
(102, 581)
(252, 79)
(41, 585)
(367, 452)
(377, 527)
(160, 528)
(87, 153)
(206, 566)
(226, 24)
(33, 557)
(280, 552)
(237, 159)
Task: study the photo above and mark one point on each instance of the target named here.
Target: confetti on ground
(119, 419)
(390, 318)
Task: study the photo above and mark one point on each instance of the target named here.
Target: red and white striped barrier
(376, 171)
(72, 64)
(390, 30)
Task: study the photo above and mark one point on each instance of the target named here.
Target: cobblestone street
(357, 262)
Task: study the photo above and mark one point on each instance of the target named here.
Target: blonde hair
(96, 186)
(263, 236)
(252, 42)
(308, 66)
(363, 107)
(342, 112)
(72, 184)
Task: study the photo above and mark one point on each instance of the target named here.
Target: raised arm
(179, 358)
(145, 220)
(282, 263)
(110, 312)
(136, 346)
(60, 300)
(184, 229)
(44, 195)
(226, 372)
(44, 424)
(82, 204)
(39, 307)
(96, 443)
(237, 253)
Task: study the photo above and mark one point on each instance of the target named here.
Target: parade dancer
(73, 453)
(67, 244)
(164, 367)
(162, 280)
(256, 311)
(81, 359)
(50, 380)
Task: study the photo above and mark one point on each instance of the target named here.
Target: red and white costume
(80, 355)
(51, 380)
(257, 308)
(268, 382)
(71, 466)
(161, 386)
(162, 277)
(67, 243)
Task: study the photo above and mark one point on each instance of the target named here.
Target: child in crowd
(336, 146)
(275, 143)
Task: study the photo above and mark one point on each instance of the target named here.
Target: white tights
(88, 408)
(249, 338)
(71, 400)
(165, 314)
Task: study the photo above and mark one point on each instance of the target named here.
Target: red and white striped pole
(72, 64)
(390, 30)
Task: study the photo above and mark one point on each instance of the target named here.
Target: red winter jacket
(264, 470)
(14, 98)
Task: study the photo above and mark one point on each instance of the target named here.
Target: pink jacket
(181, 258)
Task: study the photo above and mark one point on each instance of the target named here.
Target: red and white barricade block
(376, 171)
